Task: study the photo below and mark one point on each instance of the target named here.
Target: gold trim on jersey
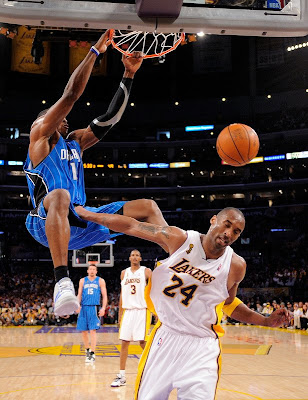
(218, 368)
(147, 293)
(219, 310)
(229, 308)
(217, 328)
(147, 325)
(121, 322)
(144, 358)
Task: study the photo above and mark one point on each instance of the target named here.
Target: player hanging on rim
(55, 175)
(133, 313)
(189, 290)
(89, 292)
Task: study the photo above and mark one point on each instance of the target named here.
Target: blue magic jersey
(61, 169)
(91, 292)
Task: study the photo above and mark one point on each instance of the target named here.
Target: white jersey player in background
(133, 314)
(189, 291)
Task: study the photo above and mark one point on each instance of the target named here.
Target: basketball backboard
(195, 16)
(100, 253)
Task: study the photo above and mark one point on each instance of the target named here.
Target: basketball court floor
(49, 363)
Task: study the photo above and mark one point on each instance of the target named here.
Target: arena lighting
(274, 158)
(298, 154)
(183, 164)
(15, 163)
(297, 46)
(253, 161)
(159, 165)
(281, 230)
(198, 128)
(200, 34)
(1, 162)
(138, 165)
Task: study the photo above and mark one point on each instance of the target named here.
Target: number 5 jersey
(188, 290)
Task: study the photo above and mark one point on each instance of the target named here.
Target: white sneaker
(87, 355)
(65, 301)
(90, 357)
(119, 381)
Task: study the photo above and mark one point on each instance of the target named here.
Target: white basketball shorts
(172, 360)
(134, 324)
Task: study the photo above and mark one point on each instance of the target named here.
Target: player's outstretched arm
(170, 238)
(101, 125)
(244, 314)
(48, 123)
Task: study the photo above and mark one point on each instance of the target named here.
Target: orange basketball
(237, 144)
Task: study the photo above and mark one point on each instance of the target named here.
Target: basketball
(237, 144)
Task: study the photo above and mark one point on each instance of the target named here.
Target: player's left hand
(101, 312)
(132, 63)
(278, 318)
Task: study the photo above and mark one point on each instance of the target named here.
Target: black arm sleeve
(102, 124)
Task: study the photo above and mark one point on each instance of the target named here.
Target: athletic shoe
(90, 357)
(65, 301)
(88, 351)
(119, 381)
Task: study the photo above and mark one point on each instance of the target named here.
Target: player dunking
(55, 175)
(89, 293)
(133, 314)
(189, 291)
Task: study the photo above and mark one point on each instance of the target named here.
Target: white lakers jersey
(133, 285)
(187, 287)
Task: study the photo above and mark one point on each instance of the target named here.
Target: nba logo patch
(219, 267)
(160, 341)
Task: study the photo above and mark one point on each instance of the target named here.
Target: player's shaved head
(227, 210)
(41, 113)
(135, 250)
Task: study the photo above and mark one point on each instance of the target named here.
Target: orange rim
(125, 52)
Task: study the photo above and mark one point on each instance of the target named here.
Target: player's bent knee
(150, 205)
(59, 198)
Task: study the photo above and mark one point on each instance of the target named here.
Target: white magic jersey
(133, 285)
(187, 287)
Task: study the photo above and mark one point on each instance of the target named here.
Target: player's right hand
(78, 310)
(103, 42)
(132, 63)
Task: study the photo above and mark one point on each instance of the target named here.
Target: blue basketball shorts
(84, 235)
(88, 319)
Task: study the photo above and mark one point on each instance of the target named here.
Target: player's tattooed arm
(170, 238)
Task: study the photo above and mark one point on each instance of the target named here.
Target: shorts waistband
(178, 333)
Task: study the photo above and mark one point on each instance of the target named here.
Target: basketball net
(151, 44)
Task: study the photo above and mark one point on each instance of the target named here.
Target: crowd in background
(26, 299)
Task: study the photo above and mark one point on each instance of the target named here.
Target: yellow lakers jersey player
(188, 292)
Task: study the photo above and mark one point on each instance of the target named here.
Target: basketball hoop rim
(126, 53)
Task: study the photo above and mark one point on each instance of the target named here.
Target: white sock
(122, 372)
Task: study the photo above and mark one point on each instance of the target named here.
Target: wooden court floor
(48, 363)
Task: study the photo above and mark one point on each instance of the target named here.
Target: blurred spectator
(298, 312)
(304, 317)
(267, 309)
